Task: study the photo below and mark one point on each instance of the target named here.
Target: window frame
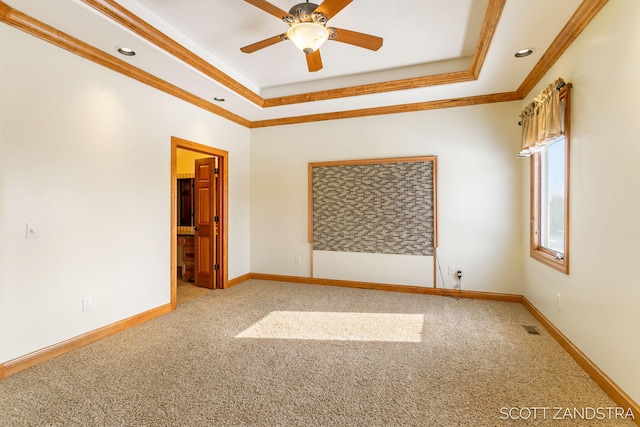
(537, 251)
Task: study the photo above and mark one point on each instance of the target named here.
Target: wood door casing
(205, 202)
(222, 158)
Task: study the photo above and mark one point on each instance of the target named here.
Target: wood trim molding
(587, 10)
(585, 13)
(49, 34)
(389, 287)
(374, 161)
(367, 89)
(391, 109)
(5, 9)
(489, 25)
(145, 30)
(605, 383)
(491, 20)
(435, 217)
(179, 143)
(126, 18)
(238, 280)
(310, 211)
(173, 229)
(21, 363)
(224, 218)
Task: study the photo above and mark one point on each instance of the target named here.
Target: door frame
(222, 253)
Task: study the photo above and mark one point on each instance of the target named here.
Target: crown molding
(587, 10)
(124, 17)
(148, 32)
(391, 109)
(50, 34)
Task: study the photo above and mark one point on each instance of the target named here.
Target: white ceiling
(421, 38)
(238, 23)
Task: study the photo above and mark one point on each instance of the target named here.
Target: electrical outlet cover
(33, 230)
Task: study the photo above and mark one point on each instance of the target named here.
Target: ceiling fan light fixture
(308, 36)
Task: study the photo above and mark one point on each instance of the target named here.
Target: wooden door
(206, 227)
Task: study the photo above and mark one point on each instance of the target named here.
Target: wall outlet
(458, 268)
(298, 260)
(87, 304)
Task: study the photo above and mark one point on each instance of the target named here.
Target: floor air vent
(531, 329)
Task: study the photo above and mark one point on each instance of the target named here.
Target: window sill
(562, 265)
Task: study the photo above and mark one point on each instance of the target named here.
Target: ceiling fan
(308, 29)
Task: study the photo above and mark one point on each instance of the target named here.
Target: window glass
(552, 192)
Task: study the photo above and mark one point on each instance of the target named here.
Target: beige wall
(86, 154)
(600, 299)
(185, 160)
(479, 180)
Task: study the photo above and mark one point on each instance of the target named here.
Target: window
(550, 198)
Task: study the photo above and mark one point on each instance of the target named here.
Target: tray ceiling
(435, 54)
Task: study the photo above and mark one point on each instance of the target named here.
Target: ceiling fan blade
(358, 39)
(269, 8)
(331, 7)
(314, 61)
(262, 44)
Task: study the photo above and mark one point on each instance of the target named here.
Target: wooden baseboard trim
(21, 363)
(606, 384)
(238, 280)
(392, 288)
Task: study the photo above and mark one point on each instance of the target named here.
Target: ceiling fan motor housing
(303, 11)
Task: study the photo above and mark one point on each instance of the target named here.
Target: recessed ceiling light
(125, 51)
(524, 52)
(218, 99)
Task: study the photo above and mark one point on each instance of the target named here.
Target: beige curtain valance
(542, 120)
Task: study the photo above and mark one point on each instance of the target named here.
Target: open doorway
(208, 230)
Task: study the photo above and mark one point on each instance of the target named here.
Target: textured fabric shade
(542, 122)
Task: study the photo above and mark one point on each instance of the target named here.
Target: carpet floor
(277, 354)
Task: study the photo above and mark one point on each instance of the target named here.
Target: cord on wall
(458, 285)
(435, 252)
(444, 284)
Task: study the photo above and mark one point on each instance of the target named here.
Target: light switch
(33, 231)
